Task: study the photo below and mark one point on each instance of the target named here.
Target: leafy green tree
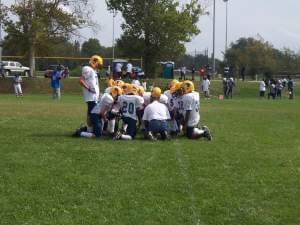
(91, 47)
(156, 29)
(38, 24)
(260, 57)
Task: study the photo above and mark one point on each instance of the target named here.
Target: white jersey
(171, 100)
(205, 85)
(163, 99)
(91, 79)
(179, 105)
(156, 111)
(129, 104)
(192, 104)
(129, 68)
(118, 67)
(262, 86)
(106, 101)
(147, 98)
(107, 90)
(136, 82)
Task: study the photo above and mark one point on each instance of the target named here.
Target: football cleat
(165, 136)
(76, 133)
(117, 136)
(207, 133)
(151, 137)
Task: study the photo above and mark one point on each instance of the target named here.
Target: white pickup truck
(10, 68)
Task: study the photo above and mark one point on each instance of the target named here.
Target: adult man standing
(117, 75)
(262, 88)
(129, 70)
(155, 116)
(182, 72)
(90, 85)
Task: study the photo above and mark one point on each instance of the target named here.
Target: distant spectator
(262, 88)
(205, 87)
(193, 72)
(202, 71)
(272, 89)
(17, 80)
(279, 88)
(55, 82)
(66, 72)
(224, 82)
(243, 73)
(182, 72)
(208, 71)
(230, 86)
(118, 71)
(290, 85)
(129, 72)
(226, 71)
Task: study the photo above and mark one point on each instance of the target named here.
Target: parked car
(9, 68)
(51, 68)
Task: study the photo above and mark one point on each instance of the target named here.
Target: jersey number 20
(128, 107)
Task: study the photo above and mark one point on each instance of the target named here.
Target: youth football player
(130, 104)
(191, 105)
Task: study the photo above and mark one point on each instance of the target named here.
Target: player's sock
(198, 131)
(87, 134)
(111, 126)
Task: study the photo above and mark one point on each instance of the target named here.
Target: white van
(10, 68)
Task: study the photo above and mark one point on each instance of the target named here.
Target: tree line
(154, 30)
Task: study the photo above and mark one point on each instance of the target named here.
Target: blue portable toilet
(168, 69)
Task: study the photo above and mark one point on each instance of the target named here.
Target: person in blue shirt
(55, 82)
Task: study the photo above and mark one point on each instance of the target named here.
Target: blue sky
(275, 21)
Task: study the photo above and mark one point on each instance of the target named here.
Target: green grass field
(248, 175)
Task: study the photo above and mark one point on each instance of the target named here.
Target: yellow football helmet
(188, 86)
(172, 83)
(115, 91)
(118, 83)
(110, 82)
(176, 87)
(95, 61)
(134, 89)
(156, 92)
(141, 91)
(126, 88)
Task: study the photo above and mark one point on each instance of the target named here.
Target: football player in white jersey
(191, 106)
(90, 85)
(130, 104)
(99, 114)
(176, 106)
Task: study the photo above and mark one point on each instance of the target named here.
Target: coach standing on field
(89, 82)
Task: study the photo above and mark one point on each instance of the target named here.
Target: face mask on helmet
(96, 61)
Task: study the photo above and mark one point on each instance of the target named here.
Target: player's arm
(83, 83)
(104, 112)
